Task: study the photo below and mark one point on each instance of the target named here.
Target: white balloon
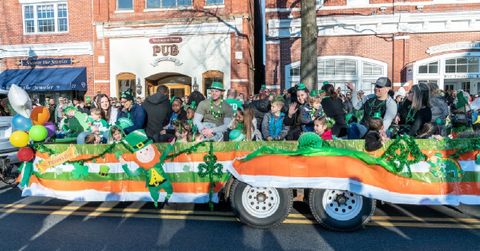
(20, 101)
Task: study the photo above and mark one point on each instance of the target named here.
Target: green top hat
(127, 95)
(263, 88)
(325, 83)
(217, 86)
(69, 108)
(314, 93)
(136, 140)
(236, 135)
(377, 115)
(301, 86)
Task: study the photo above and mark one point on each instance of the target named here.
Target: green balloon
(38, 133)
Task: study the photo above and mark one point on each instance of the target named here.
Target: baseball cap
(383, 82)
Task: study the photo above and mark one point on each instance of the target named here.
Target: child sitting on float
(273, 127)
(323, 127)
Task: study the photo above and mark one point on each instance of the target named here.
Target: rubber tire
(315, 202)
(286, 201)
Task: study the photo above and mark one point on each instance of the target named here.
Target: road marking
(382, 221)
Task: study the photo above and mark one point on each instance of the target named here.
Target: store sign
(475, 45)
(45, 61)
(167, 48)
(461, 76)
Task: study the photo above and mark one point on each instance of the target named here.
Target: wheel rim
(342, 205)
(260, 202)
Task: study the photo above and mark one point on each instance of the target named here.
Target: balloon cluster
(28, 125)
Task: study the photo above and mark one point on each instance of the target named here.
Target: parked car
(8, 153)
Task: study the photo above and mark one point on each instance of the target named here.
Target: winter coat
(137, 115)
(271, 124)
(158, 110)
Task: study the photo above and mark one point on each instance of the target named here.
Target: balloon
(40, 115)
(21, 123)
(19, 139)
(50, 128)
(38, 133)
(25, 154)
(20, 101)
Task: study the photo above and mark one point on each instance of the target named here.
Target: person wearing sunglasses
(379, 102)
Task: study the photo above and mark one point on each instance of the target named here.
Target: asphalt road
(47, 224)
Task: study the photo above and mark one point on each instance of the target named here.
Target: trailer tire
(340, 210)
(260, 207)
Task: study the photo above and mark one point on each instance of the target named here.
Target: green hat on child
(377, 115)
(136, 140)
(69, 108)
(278, 98)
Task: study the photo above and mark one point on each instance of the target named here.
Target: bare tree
(308, 61)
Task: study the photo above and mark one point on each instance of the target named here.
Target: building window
(45, 18)
(126, 82)
(214, 2)
(124, 4)
(428, 68)
(156, 4)
(334, 67)
(462, 65)
(341, 70)
(372, 69)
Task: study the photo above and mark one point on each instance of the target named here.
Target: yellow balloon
(19, 139)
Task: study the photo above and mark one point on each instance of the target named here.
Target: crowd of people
(424, 111)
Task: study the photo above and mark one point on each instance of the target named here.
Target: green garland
(399, 151)
(213, 170)
(189, 150)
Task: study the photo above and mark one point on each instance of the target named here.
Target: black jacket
(333, 108)
(158, 111)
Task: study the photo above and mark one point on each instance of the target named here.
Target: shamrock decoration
(80, 170)
(403, 152)
(212, 169)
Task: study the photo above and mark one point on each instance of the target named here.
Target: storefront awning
(46, 79)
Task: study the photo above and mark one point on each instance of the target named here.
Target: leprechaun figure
(146, 155)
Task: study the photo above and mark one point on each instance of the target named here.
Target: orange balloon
(40, 115)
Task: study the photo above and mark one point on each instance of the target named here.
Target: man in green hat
(150, 162)
(213, 115)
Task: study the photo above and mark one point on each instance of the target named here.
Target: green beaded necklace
(219, 113)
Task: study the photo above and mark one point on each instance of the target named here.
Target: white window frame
(183, 7)
(35, 17)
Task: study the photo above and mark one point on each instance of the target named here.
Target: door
(178, 90)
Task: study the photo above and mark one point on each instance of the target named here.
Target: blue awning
(46, 79)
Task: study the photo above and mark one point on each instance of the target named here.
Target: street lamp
(195, 85)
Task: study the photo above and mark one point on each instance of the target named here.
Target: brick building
(115, 45)
(184, 44)
(46, 46)
(409, 41)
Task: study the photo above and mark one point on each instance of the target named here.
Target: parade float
(341, 181)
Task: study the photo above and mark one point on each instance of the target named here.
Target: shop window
(337, 67)
(209, 77)
(126, 82)
(155, 4)
(466, 86)
(370, 69)
(214, 2)
(428, 68)
(45, 18)
(124, 4)
(462, 65)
